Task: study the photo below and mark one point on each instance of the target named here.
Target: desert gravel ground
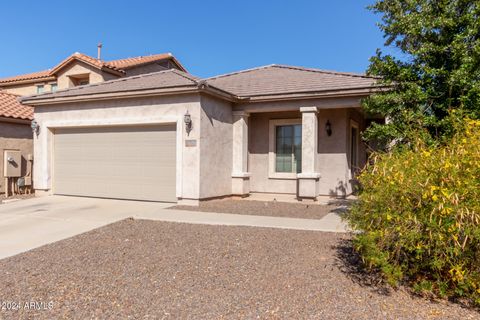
(263, 208)
(158, 270)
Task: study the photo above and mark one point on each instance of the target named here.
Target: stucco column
(308, 179)
(240, 174)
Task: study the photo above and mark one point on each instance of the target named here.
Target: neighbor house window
(40, 89)
(284, 148)
(79, 80)
(288, 144)
(53, 87)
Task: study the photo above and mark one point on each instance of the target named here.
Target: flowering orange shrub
(419, 215)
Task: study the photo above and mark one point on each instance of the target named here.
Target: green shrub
(418, 215)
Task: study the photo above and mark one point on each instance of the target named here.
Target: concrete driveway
(27, 224)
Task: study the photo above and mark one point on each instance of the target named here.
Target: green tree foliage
(436, 67)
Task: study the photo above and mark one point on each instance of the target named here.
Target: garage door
(136, 163)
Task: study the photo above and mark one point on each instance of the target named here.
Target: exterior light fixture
(328, 128)
(187, 118)
(35, 127)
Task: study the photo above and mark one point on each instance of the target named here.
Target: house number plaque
(190, 143)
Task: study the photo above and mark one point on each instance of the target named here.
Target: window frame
(53, 85)
(272, 141)
(40, 88)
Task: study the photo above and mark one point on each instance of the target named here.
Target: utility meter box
(12, 164)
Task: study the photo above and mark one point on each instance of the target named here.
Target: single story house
(15, 133)
(169, 136)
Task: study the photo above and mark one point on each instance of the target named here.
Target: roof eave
(16, 120)
(37, 101)
(361, 91)
(26, 81)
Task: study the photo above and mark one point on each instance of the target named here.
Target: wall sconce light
(328, 128)
(187, 118)
(35, 127)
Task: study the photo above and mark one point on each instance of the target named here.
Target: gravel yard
(146, 269)
(263, 208)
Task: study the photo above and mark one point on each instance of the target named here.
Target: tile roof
(269, 82)
(132, 62)
(114, 65)
(29, 76)
(10, 107)
(170, 78)
(281, 79)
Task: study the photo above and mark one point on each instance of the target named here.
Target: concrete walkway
(27, 224)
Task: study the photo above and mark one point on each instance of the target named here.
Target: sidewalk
(330, 223)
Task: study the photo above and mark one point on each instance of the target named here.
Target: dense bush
(419, 215)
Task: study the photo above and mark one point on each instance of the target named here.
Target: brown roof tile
(281, 80)
(10, 107)
(132, 62)
(29, 76)
(114, 65)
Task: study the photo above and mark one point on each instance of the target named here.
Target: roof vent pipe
(99, 50)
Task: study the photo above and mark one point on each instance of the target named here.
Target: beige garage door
(135, 163)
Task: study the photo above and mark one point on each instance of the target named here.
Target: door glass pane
(288, 148)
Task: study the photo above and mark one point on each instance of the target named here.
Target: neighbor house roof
(280, 80)
(10, 107)
(167, 80)
(113, 66)
(273, 82)
(128, 63)
(40, 75)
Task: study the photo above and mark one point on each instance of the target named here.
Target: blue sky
(208, 37)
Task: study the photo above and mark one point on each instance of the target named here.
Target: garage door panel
(118, 162)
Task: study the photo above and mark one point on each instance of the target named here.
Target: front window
(40, 89)
(288, 153)
(54, 87)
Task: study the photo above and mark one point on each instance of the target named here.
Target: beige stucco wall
(79, 68)
(332, 153)
(215, 148)
(22, 90)
(15, 137)
(123, 112)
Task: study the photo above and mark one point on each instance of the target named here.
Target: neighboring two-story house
(80, 69)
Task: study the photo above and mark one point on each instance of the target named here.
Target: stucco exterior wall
(332, 158)
(15, 136)
(79, 68)
(215, 148)
(123, 112)
(22, 90)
